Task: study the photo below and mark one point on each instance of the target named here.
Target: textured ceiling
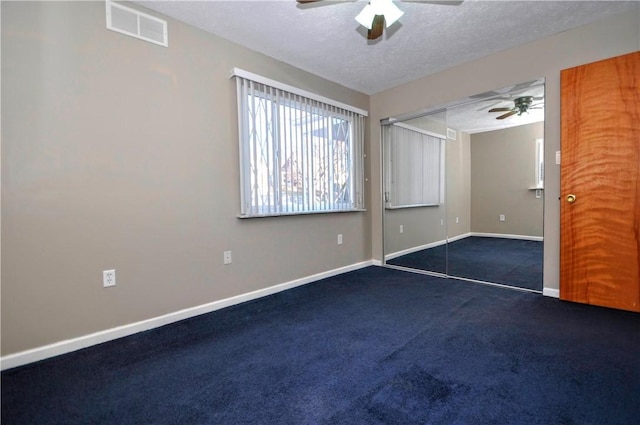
(472, 113)
(324, 38)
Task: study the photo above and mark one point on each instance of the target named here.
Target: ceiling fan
(520, 106)
(379, 14)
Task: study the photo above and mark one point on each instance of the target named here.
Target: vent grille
(452, 134)
(136, 24)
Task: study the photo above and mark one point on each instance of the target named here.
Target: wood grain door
(600, 183)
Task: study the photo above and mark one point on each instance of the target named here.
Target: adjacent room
(318, 212)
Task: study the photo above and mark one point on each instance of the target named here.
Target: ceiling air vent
(136, 24)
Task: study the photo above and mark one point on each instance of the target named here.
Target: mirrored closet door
(415, 231)
(463, 188)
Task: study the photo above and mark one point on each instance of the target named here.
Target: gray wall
(502, 173)
(120, 154)
(544, 58)
(117, 153)
(487, 174)
(458, 185)
(421, 225)
(426, 225)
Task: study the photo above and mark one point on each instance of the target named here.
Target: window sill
(401, 207)
(290, 214)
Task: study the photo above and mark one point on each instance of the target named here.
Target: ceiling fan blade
(377, 26)
(500, 109)
(484, 108)
(507, 115)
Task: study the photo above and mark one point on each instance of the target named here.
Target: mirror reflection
(484, 156)
(415, 232)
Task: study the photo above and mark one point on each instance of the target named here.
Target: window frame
(390, 199)
(282, 100)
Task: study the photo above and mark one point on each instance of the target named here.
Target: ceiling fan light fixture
(391, 13)
(523, 104)
(365, 17)
(386, 8)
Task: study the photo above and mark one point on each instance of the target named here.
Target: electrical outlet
(227, 257)
(108, 278)
(340, 239)
(401, 228)
(502, 217)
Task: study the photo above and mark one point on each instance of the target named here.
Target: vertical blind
(297, 155)
(414, 168)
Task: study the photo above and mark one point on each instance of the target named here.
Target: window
(298, 155)
(414, 166)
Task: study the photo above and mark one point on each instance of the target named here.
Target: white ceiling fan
(380, 14)
(520, 106)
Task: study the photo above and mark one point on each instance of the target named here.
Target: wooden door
(600, 138)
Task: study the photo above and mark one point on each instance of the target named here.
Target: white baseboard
(457, 238)
(550, 292)
(506, 236)
(74, 344)
(393, 255)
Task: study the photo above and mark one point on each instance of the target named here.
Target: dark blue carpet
(510, 262)
(375, 346)
(430, 259)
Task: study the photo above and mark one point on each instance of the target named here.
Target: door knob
(571, 198)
